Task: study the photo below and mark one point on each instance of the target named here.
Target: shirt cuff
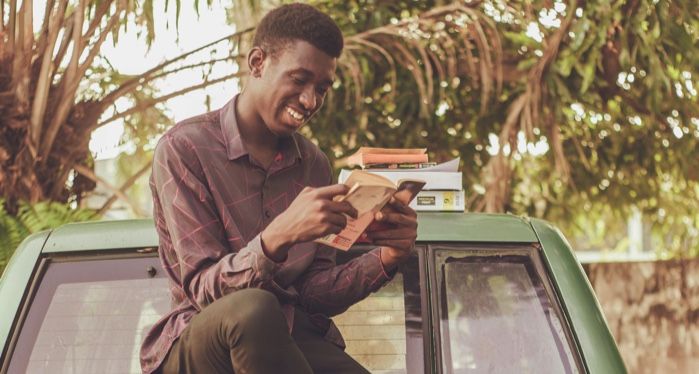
(264, 266)
(375, 265)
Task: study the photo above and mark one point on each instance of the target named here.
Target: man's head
(292, 65)
(298, 22)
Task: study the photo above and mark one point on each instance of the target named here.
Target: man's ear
(256, 61)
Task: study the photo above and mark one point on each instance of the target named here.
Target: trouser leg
(322, 355)
(244, 332)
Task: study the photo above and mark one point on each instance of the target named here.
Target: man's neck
(259, 141)
(251, 126)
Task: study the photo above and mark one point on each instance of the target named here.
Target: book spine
(393, 159)
(400, 166)
(439, 201)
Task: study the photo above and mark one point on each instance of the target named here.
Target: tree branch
(65, 42)
(46, 71)
(99, 13)
(145, 77)
(129, 182)
(43, 33)
(11, 25)
(93, 177)
(2, 17)
(71, 84)
(133, 84)
(149, 103)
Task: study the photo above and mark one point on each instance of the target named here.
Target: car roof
(432, 227)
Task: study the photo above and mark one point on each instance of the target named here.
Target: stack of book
(443, 190)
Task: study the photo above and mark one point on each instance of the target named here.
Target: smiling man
(239, 196)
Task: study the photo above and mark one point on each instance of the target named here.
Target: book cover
(368, 194)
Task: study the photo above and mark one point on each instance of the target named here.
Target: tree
(592, 111)
(56, 88)
(571, 111)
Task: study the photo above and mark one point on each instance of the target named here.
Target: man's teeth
(298, 116)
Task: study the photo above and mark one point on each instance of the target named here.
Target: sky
(132, 56)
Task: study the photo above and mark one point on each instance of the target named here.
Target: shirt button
(268, 213)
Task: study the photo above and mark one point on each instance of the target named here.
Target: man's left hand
(398, 238)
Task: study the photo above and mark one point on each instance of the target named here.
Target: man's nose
(308, 99)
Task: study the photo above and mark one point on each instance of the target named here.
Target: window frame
(534, 252)
(44, 263)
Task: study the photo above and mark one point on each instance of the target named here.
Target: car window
(91, 316)
(496, 314)
(384, 332)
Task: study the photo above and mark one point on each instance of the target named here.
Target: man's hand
(398, 239)
(313, 214)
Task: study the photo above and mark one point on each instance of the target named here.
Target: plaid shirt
(211, 201)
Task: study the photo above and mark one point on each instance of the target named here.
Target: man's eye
(299, 81)
(322, 90)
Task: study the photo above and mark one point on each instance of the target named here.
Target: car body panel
(588, 323)
(98, 235)
(16, 278)
(474, 227)
(594, 340)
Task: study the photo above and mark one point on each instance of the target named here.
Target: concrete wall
(653, 311)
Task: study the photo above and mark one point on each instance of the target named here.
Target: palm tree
(47, 117)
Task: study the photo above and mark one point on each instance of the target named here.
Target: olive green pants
(246, 332)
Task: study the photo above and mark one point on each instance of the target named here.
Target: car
(483, 293)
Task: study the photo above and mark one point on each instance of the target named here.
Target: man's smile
(299, 117)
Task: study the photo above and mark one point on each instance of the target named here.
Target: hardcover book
(367, 156)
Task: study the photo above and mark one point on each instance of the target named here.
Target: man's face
(293, 85)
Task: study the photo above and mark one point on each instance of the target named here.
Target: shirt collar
(235, 148)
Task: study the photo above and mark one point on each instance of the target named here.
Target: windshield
(497, 316)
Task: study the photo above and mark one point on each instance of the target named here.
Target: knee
(253, 307)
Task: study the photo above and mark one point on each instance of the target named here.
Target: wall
(652, 309)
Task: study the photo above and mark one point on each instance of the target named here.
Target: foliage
(593, 114)
(32, 218)
(56, 88)
(574, 111)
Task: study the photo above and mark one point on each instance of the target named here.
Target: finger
(399, 206)
(394, 234)
(403, 196)
(335, 219)
(328, 192)
(397, 219)
(342, 207)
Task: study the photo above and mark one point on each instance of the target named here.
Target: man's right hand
(313, 214)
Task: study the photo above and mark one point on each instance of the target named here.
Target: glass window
(384, 332)
(91, 316)
(497, 316)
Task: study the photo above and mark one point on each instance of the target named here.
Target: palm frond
(434, 47)
(32, 218)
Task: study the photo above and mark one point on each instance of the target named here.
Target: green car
(482, 294)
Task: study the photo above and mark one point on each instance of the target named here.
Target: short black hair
(298, 22)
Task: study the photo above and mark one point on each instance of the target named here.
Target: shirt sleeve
(208, 269)
(330, 289)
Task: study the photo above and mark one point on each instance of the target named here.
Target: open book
(368, 194)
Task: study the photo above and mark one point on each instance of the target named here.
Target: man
(239, 197)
